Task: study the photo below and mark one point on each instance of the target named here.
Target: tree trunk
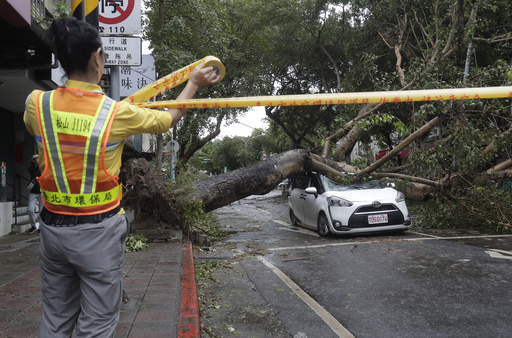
(416, 191)
(355, 133)
(417, 134)
(258, 179)
(149, 195)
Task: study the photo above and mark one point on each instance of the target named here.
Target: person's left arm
(131, 119)
(200, 77)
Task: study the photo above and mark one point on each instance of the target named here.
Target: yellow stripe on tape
(338, 98)
(174, 79)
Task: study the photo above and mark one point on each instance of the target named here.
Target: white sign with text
(135, 78)
(122, 50)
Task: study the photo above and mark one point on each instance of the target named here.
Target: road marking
(497, 253)
(296, 229)
(388, 240)
(454, 237)
(315, 246)
(336, 326)
(265, 211)
(302, 231)
(422, 234)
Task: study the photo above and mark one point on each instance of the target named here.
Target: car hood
(367, 195)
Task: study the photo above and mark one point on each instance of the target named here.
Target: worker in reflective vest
(74, 181)
(81, 133)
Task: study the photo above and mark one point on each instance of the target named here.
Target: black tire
(323, 225)
(293, 219)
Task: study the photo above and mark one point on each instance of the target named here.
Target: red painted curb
(189, 324)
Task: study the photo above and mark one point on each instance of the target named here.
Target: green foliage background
(280, 47)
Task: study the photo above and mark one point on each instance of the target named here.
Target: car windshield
(331, 185)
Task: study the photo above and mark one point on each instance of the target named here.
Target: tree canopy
(279, 47)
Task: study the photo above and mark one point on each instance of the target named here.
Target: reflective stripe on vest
(81, 200)
(93, 128)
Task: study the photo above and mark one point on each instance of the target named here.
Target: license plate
(376, 219)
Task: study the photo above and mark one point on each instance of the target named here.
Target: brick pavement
(152, 284)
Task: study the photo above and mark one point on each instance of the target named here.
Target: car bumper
(386, 228)
(343, 221)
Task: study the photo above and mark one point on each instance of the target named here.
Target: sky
(253, 119)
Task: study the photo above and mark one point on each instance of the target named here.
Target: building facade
(27, 63)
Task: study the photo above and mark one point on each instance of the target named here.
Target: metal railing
(21, 182)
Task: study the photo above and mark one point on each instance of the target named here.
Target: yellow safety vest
(74, 126)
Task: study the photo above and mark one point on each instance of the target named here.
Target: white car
(318, 203)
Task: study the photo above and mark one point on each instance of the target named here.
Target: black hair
(75, 41)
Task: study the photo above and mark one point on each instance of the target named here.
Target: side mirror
(312, 191)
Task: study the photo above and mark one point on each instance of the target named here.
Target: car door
(297, 196)
(310, 203)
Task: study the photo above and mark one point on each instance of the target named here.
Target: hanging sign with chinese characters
(122, 50)
(137, 77)
(119, 17)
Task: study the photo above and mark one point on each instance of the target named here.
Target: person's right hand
(204, 76)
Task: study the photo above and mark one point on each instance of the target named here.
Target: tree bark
(493, 146)
(355, 133)
(416, 191)
(501, 166)
(258, 179)
(417, 134)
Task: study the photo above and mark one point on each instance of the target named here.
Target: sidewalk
(153, 284)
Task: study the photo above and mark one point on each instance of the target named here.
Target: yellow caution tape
(175, 78)
(338, 98)
(181, 75)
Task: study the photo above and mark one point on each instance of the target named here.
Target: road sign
(172, 146)
(119, 17)
(134, 78)
(122, 50)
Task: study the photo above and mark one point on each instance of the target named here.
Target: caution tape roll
(338, 98)
(174, 79)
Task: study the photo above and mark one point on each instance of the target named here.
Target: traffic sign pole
(118, 18)
(77, 9)
(115, 83)
(91, 13)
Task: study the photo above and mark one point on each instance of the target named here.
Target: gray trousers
(82, 277)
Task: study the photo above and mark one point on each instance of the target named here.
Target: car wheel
(293, 219)
(323, 225)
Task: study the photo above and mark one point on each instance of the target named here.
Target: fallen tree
(147, 192)
(471, 153)
(151, 196)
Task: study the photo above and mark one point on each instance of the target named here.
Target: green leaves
(136, 243)
(484, 208)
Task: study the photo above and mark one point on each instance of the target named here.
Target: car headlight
(338, 202)
(400, 197)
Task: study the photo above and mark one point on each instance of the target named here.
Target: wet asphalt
(435, 284)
